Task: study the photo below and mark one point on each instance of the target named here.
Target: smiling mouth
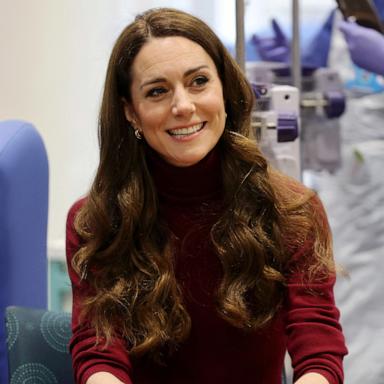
(183, 132)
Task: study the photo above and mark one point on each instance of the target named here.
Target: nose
(182, 103)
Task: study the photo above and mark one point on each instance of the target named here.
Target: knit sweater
(215, 352)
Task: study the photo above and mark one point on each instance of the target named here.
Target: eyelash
(198, 81)
(156, 92)
(201, 80)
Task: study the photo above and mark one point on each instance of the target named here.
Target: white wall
(51, 72)
(53, 59)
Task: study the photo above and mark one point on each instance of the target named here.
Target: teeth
(186, 131)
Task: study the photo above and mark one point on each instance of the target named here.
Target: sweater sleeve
(87, 357)
(315, 340)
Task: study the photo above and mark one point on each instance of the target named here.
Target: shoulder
(303, 214)
(72, 237)
(305, 203)
(289, 191)
(75, 208)
(73, 211)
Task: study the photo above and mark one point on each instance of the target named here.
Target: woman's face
(177, 99)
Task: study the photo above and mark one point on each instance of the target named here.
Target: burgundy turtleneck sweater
(215, 352)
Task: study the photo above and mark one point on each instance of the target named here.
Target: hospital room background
(328, 132)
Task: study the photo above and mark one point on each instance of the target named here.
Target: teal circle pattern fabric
(33, 373)
(12, 325)
(38, 346)
(56, 330)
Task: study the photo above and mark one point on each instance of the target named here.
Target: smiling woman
(192, 260)
(186, 104)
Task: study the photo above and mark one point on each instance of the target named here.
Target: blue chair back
(23, 222)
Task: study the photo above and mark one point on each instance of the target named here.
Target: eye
(200, 81)
(156, 92)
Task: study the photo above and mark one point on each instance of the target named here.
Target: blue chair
(23, 222)
(37, 343)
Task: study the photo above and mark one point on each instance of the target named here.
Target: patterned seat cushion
(37, 343)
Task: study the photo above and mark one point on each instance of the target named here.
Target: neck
(201, 181)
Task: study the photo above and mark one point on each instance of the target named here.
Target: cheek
(214, 104)
(151, 118)
(219, 109)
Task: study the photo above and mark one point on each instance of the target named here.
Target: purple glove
(366, 46)
(276, 48)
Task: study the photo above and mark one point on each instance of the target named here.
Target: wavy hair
(127, 257)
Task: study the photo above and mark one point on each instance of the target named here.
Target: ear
(129, 111)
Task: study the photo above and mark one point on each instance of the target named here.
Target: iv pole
(295, 47)
(240, 35)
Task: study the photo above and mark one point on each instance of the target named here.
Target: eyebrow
(162, 79)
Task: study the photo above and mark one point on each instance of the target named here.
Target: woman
(191, 260)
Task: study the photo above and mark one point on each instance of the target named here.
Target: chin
(185, 163)
(188, 161)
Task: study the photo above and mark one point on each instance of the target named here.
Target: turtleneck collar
(196, 183)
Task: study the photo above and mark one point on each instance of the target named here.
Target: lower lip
(188, 137)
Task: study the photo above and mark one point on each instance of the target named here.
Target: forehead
(172, 54)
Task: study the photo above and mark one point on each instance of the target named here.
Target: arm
(366, 46)
(92, 363)
(312, 378)
(315, 340)
(103, 378)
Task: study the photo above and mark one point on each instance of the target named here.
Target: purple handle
(335, 104)
(287, 128)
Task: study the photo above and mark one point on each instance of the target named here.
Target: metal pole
(295, 49)
(296, 65)
(240, 35)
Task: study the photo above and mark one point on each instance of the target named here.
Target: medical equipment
(322, 99)
(320, 103)
(275, 125)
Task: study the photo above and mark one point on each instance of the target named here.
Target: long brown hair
(127, 254)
